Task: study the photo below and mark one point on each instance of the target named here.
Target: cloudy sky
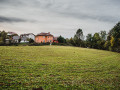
(60, 17)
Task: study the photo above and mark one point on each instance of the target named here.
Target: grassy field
(58, 68)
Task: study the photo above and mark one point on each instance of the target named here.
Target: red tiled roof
(44, 34)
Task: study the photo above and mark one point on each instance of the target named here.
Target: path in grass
(58, 67)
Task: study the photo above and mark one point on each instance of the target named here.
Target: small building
(44, 38)
(25, 37)
(12, 37)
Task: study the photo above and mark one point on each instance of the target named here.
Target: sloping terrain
(58, 67)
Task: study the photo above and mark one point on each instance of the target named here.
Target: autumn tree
(113, 39)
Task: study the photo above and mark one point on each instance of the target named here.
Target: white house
(15, 39)
(25, 37)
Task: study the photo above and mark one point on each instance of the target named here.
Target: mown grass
(58, 68)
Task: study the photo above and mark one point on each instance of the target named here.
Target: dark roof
(11, 33)
(44, 34)
(26, 34)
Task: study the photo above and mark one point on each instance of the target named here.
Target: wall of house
(43, 39)
(31, 36)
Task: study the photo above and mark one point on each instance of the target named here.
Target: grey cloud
(54, 14)
(11, 3)
(11, 19)
(95, 10)
(3, 1)
(74, 8)
(84, 16)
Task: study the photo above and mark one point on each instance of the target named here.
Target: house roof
(11, 33)
(27, 34)
(44, 34)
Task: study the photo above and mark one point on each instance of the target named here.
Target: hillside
(58, 67)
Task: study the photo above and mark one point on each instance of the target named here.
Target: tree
(78, 38)
(96, 41)
(89, 39)
(19, 40)
(103, 35)
(114, 38)
(116, 35)
(1, 41)
(68, 41)
(31, 40)
(61, 39)
(72, 41)
(79, 34)
(3, 36)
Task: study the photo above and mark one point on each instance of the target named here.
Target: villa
(44, 38)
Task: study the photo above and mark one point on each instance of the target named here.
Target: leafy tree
(116, 35)
(79, 34)
(103, 35)
(19, 40)
(89, 39)
(78, 38)
(61, 39)
(3, 36)
(96, 41)
(72, 41)
(114, 38)
(68, 41)
(77, 41)
(1, 41)
(31, 40)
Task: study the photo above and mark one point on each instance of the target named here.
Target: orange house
(44, 38)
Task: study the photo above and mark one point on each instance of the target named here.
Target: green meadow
(58, 68)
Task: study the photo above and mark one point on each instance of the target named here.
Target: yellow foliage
(112, 41)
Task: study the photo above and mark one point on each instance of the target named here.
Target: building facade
(15, 39)
(44, 38)
(25, 37)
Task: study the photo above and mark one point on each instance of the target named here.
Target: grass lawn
(58, 68)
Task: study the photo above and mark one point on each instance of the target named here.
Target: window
(48, 36)
(43, 36)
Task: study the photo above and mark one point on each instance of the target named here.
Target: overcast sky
(60, 17)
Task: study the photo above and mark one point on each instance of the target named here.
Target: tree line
(99, 40)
